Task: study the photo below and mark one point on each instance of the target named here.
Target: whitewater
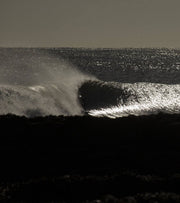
(34, 83)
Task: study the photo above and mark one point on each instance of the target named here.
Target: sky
(90, 23)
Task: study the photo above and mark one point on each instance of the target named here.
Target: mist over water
(35, 83)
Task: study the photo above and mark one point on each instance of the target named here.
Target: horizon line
(81, 47)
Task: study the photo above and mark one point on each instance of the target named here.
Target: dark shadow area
(74, 159)
(96, 95)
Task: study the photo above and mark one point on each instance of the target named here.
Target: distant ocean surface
(102, 82)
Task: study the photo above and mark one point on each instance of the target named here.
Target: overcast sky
(90, 23)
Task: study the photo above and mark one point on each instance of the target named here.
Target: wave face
(114, 99)
(41, 82)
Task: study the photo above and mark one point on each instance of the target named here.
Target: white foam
(151, 98)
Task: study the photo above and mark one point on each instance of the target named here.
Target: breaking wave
(94, 97)
(35, 82)
(114, 99)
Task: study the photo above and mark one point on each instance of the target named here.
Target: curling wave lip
(124, 99)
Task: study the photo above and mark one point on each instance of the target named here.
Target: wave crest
(114, 99)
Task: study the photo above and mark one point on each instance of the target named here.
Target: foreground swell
(62, 159)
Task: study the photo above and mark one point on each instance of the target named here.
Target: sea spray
(35, 83)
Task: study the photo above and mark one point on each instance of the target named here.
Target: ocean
(89, 125)
(102, 83)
